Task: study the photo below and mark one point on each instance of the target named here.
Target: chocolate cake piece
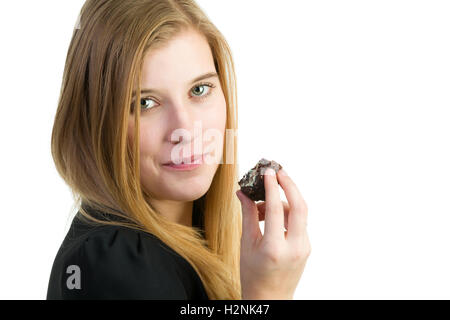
(252, 183)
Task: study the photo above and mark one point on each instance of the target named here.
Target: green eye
(145, 103)
(201, 94)
(201, 91)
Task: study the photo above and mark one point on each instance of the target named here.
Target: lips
(198, 158)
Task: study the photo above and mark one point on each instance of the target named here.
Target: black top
(116, 262)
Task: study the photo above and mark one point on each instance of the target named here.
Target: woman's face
(179, 118)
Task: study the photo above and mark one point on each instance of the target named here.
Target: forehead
(183, 58)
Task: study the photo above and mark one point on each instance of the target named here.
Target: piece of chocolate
(252, 183)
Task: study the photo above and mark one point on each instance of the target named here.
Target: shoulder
(114, 262)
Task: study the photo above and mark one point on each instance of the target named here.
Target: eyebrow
(202, 77)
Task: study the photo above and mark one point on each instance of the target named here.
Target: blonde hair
(89, 139)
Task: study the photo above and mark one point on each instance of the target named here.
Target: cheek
(217, 115)
(214, 128)
(148, 139)
(151, 139)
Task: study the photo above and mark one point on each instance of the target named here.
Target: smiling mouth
(194, 159)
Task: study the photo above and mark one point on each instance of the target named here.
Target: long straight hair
(89, 139)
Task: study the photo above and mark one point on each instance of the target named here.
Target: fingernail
(283, 172)
(269, 172)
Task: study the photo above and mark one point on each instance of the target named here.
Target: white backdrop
(351, 97)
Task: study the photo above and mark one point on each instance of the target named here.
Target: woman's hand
(271, 265)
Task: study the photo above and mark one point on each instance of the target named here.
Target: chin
(181, 190)
(185, 194)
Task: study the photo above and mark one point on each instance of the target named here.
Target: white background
(351, 97)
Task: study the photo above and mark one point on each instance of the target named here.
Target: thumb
(251, 232)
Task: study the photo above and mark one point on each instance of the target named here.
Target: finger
(262, 208)
(274, 217)
(298, 213)
(250, 222)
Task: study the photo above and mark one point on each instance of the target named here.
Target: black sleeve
(119, 263)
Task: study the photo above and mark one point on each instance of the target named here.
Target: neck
(175, 211)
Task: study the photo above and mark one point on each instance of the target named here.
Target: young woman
(144, 81)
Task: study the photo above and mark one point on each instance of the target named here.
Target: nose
(182, 125)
